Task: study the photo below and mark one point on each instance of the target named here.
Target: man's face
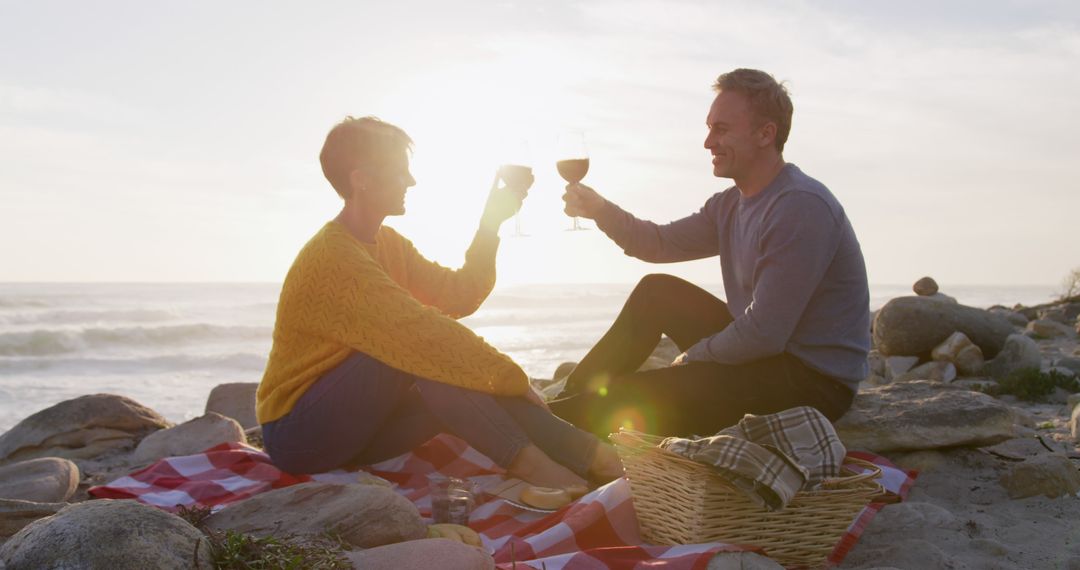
(734, 140)
(385, 187)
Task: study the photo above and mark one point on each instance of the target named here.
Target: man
(796, 326)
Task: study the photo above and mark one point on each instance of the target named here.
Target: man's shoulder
(721, 201)
(799, 190)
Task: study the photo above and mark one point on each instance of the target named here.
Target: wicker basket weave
(679, 501)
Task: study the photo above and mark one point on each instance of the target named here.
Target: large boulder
(81, 428)
(14, 515)
(189, 438)
(426, 553)
(1050, 475)
(915, 325)
(1018, 353)
(235, 400)
(923, 415)
(42, 480)
(362, 515)
(108, 534)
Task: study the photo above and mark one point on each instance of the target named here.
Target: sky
(154, 141)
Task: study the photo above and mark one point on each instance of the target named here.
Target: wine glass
(516, 175)
(515, 171)
(573, 162)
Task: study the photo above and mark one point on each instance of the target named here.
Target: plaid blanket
(599, 530)
(770, 458)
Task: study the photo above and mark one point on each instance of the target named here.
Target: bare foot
(534, 466)
(606, 465)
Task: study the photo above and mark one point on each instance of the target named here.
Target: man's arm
(797, 245)
(692, 237)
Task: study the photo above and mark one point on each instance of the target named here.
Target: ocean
(167, 345)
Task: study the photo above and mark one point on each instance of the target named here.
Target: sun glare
(467, 120)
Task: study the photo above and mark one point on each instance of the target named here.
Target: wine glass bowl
(515, 175)
(573, 161)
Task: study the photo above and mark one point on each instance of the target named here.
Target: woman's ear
(358, 182)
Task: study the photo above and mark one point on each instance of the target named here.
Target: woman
(368, 360)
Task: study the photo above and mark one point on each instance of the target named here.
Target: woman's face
(385, 186)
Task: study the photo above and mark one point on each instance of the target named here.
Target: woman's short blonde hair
(357, 143)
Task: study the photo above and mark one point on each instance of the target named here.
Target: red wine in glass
(574, 161)
(573, 170)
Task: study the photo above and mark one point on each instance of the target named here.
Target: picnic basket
(679, 501)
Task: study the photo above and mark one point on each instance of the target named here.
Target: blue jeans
(363, 411)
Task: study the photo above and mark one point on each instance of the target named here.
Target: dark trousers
(364, 411)
(697, 398)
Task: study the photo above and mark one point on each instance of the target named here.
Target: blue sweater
(793, 272)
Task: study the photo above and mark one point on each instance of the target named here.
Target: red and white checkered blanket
(599, 530)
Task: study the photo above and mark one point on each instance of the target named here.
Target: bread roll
(545, 497)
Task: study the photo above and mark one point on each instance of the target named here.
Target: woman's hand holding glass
(505, 200)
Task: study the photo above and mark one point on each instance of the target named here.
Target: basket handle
(873, 473)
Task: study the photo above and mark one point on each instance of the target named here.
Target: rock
(942, 297)
(1066, 373)
(1050, 475)
(362, 515)
(932, 371)
(235, 400)
(921, 461)
(426, 553)
(1046, 328)
(189, 438)
(875, 380)
(81, 428)
(1056, 314)
(903, 553)
(877, 363)
(915, 325)
(923, 415)
(959, 350)
(896, 366)
(1069, 362)
(925, 287)
(1076, 351)
(14, 515)
(42, 480)
(564, 370)
(1018, 353)
(742, 561)
(917, 519)
(974, 384)
(365, 478)
(1017, 319)
(108, 534)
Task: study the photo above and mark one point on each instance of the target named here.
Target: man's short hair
(354, 143)
(769, 100)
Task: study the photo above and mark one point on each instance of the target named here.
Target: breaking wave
(49, 342)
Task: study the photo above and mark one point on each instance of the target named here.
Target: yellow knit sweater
(389, 302)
